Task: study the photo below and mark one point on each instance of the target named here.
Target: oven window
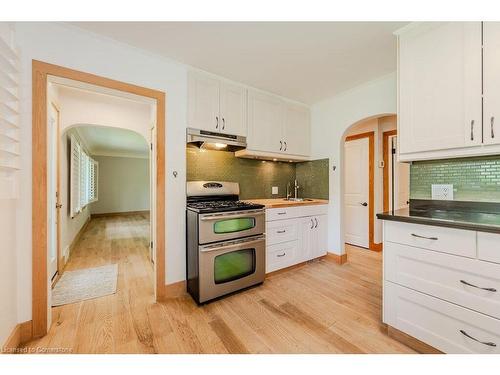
(234, 225)
(234, 265)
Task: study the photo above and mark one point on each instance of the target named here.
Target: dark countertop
(462, 215)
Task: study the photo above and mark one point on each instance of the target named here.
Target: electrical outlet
(442, 192)
(274, 190)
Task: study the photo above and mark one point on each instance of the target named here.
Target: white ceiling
(109, 141)
(304, 61)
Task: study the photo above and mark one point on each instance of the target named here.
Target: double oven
(225, 241)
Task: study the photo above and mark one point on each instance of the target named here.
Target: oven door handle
(242, 244)
(232, 216)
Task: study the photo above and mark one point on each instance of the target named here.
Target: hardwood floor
(321, 307)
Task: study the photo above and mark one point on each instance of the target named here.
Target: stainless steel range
(225, 240)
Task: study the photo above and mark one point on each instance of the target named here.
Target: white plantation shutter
(75, 177)
(83, 178)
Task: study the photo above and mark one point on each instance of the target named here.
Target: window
(83, 177)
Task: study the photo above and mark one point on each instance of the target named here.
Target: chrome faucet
(288, 194)
(296, 188)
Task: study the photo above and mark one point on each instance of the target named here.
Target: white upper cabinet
(297, 130)
(491, 82)
(203, 102)
(276, 129)
(439, 71)
(265, 122)
(215, 105)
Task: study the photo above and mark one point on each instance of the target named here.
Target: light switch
(274, 190)
(442, 192)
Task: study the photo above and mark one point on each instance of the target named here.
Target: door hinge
(393, 151)
(151, 244)
(151, 146)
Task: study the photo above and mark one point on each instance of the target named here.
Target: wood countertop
(281, 202)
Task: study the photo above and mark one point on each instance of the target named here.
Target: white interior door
(356, 189)
(52, 138)
(401, 179)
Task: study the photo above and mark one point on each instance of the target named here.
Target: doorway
(396, 175)
(42, 169)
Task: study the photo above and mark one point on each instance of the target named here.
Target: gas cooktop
(222, 206)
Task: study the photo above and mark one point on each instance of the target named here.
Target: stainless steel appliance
(215, 141)
(226, 248)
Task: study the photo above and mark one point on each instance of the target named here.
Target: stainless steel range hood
(215, 141)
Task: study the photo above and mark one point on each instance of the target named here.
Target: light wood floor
(319, 308)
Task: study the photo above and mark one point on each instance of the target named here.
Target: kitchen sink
(297, 199)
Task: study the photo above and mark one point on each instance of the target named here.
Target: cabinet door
(440, 86)
(297, 130)
(306, 251)
(203, 102)
(265, 122)
(320, 236)
(233, 109)
(491, 81)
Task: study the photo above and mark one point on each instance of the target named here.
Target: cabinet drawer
(294, 212)
(488, 247)
(281, 231)
(446, 240)
(281, 255)
(452, 278)
(440, 324)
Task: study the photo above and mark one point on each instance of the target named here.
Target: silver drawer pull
(426, 238)
(479, 341)
(478, 287)
(281, 231)
(280, 255)
(281, 213)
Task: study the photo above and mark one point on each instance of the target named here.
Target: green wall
(256, 177)
(473, 179)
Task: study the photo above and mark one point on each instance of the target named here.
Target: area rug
(79, 285)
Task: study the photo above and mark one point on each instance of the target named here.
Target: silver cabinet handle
(478, 287)
(492, 125)
(280, 255)
(281, 231)
(316, 220)
(281, 145)
(223, 123)
(472, 130)
(285, 145)
(281, 213)
(426, 238)
(312, 224)
(488, 343)
(217, 122)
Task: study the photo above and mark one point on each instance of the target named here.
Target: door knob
(364, 204)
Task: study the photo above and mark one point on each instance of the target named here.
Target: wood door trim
(385, 147)
(371, 185)
(40, 73)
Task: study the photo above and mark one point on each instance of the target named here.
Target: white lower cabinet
(443, 325)
(443, 286)
(297, 239)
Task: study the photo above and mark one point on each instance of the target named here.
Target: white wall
(123, 185)
(88, 108)
(329, 120)
(378, 126)
(70, 47)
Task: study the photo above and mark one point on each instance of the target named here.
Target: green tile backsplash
(312, 177)
(473, 179)
(256, 177)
